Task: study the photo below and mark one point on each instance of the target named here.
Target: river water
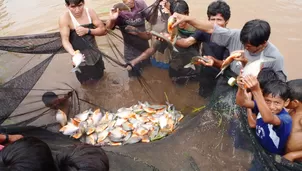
(116, 89)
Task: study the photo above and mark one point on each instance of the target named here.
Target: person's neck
(298, 110)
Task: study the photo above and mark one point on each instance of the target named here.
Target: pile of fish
(139, 123)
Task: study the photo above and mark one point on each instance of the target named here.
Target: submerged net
(216, 138)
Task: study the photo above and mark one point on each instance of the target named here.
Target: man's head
(129, 3)
(28, 153)
(83, 157)
(254, 35)
(180, 7)
(219, 12)
(295, 88)
(276, 95)
(267, 75)
(49, 99)
(76, 7)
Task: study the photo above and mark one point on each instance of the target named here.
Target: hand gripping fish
(227, 62)
(252, 68)
(173, 34)
(77, 59)
(196, 60)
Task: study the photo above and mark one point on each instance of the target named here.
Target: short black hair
(179, 6)
(83, 157)
(255, 32)
(219, 7)
(267, 75)
(295, 88)
(75, 2)
(276, 88)
(27, 153)
(48, 98)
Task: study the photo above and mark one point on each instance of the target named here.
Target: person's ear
(286, 103)
(226, 22)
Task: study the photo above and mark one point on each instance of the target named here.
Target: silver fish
(61, 117)
(102, 136)
(196, 61)
(133, 140)
(121, 6)
(253, 68)
(77, 59)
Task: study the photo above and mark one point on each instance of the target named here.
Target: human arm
(65, 32)
(251, 118)
(11, 138)
(205, 26)
(145, 55)
(292, 156)
(242, 96)
(252, 83)
(111, 22)
(142, 34)
(99, 29)
(185, 42)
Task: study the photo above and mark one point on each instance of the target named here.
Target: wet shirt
(273, 138)
(133, 45)
(230, 38)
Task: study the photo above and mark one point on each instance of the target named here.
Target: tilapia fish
(196, 61)
(121, 6)
(227, 62)
(77, 59)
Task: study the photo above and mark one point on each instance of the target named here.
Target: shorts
(91, 73)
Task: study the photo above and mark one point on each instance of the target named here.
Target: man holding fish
(78, 26)
(247, 45)
(132, 26)
(219, 13)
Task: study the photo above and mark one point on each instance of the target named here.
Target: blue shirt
(273, 138)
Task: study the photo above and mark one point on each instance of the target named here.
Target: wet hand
(81, 31)
(240, 81)
(132, 30)
(13, 138)
(240, 58)
(209, 62)
(251, 83)
(179, 18)
(114, 13)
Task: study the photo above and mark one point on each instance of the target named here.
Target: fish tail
(221, 72)
(76, 69)
(174, 49)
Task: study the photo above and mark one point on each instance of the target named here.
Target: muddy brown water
(116, 90)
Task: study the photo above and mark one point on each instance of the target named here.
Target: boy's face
(219, 20)
(254, 49)
(276, 103)
(76, 10)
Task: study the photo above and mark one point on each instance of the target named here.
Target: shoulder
(64, 19)
(272, 51)
(284, 116)
(222, 30)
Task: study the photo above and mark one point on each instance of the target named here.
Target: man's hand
(132, 30)
(210, 61)
(81, 31)
(251, 83)
(240, 81)
(240, 58)
(114, 13)
(13, 138)
(179, 18)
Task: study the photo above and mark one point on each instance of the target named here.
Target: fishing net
(216, 137)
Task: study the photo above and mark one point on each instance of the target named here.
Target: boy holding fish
(78, 28)
(272, 122)
(133, 29)
(247, 45)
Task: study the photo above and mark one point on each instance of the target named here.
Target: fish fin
(76, 69)
(190, 65)
(221, 72)
(174, 49)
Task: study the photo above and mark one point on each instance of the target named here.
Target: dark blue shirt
(273, 138)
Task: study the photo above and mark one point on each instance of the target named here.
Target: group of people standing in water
(274, 105)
